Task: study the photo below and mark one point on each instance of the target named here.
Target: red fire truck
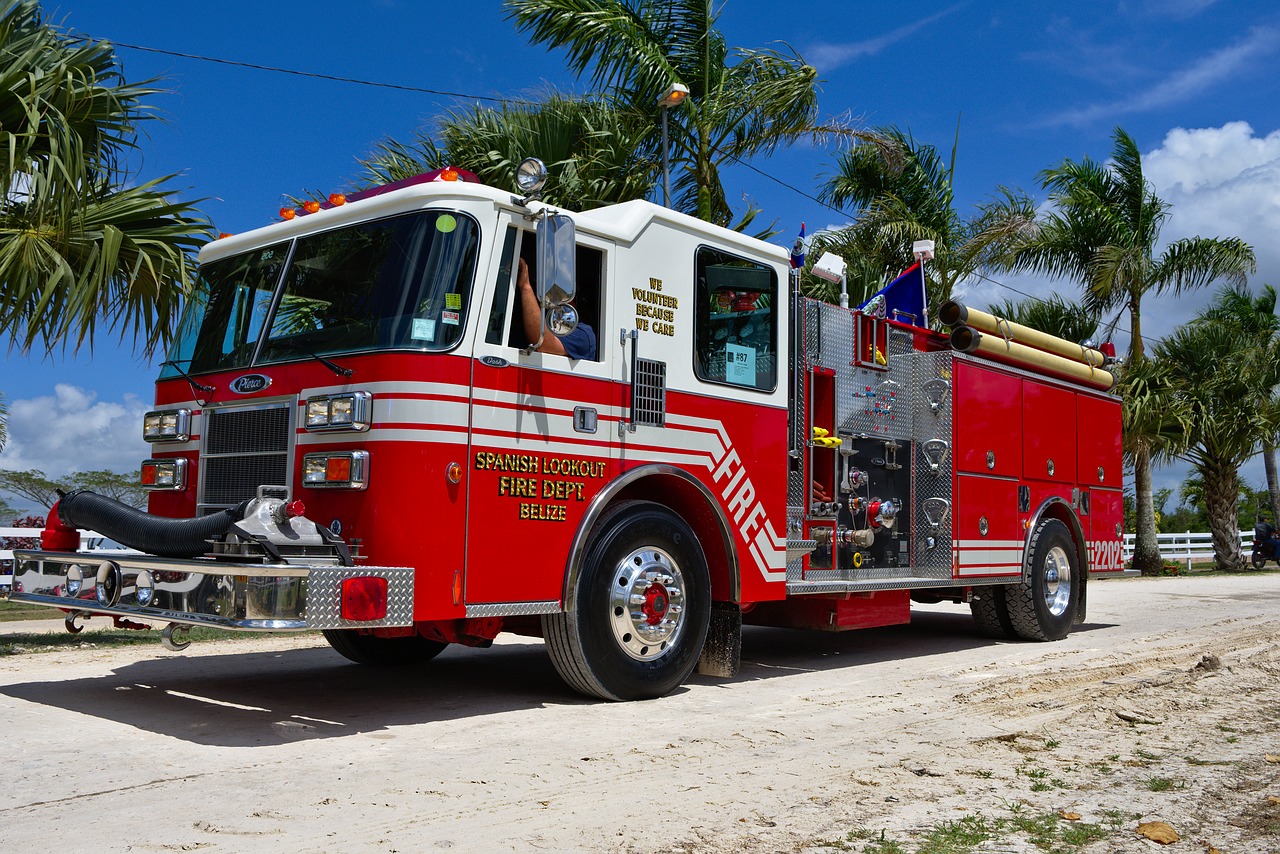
(353, 433)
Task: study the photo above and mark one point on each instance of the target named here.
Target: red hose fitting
(56, 536)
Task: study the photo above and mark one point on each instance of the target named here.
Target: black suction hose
(180, 538)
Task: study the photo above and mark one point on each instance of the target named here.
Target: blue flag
(797, 251)
(902, 297)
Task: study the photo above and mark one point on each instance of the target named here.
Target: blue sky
(1195, 82)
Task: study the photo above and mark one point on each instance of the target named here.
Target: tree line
(83, 244)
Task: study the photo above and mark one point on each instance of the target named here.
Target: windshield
(401, 282)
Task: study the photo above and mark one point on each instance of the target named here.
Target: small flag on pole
(797, 251)
(902, 299)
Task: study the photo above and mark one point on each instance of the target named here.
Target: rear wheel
(642, 607)
(371, 649)
(1258, 560)
(1043, 607)
(991, 613)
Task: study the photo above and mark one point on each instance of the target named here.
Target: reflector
(364, 598)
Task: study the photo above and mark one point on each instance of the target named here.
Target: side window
(736, 323)
(502, 288)
(588, 301)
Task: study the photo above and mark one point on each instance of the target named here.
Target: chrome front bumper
(249, 597)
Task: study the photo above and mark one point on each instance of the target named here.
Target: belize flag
(797, 251)
(902, 299)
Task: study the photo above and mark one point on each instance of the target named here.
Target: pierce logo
(250, 383)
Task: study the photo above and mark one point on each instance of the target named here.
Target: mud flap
(722, 652)
(1084, 600)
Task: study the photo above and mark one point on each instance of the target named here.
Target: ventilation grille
(244, 449)
(649, 393)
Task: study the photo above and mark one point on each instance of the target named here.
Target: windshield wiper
(195, 386)
(333, 366)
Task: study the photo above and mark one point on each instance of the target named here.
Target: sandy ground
(1165, 706)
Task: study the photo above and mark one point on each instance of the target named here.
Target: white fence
(1188, 547)
(90, 541)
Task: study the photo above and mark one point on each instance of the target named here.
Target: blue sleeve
(580, 343)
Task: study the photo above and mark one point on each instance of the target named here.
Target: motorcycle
(1265, 549)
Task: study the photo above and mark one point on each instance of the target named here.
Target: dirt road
(1164, 706)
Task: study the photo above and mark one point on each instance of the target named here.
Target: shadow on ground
(253, 698)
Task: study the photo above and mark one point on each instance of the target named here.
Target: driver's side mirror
(557, 248)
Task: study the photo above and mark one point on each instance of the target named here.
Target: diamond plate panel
(513, 609)
(879, 402)
(324, 591)
(932, 421)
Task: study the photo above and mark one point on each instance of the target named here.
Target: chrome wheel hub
(1057, 581)
(646, 603)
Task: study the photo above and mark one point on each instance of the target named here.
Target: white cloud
(828, 57)
(1221, 182)
(73, 430)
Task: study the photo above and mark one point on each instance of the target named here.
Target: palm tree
(901, 191)
(596, 153)
(1102, 230)
(1255, 319)
(80, 243)
(1208, 374)
(741, 102)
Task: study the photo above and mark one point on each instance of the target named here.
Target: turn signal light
(364, 598)
(341, 470)
(168, 473)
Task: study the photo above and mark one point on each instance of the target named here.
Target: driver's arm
(531, 312)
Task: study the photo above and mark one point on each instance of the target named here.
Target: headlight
(339, 469)
(168, 473)
(167, 425)
(351, 411)
(144, 588)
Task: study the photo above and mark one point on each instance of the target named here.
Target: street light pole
(666, 167)
(671, 98)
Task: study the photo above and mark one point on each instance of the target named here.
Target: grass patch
(1046, 831)
(1158, 784)
(15, 611)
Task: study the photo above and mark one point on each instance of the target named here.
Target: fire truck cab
(356, 432)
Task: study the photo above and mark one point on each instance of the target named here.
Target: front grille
(245, 447)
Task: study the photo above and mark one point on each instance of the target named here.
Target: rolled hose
(179, 538)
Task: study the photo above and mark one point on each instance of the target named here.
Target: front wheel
(641, 608)
(371, 649)
(1043, 606)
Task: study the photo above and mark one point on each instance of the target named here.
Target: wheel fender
(709, 522)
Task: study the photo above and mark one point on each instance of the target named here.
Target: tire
(371, 649)
(991, 613)
(642, 607)
(1043, 607)
(1258, 560)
